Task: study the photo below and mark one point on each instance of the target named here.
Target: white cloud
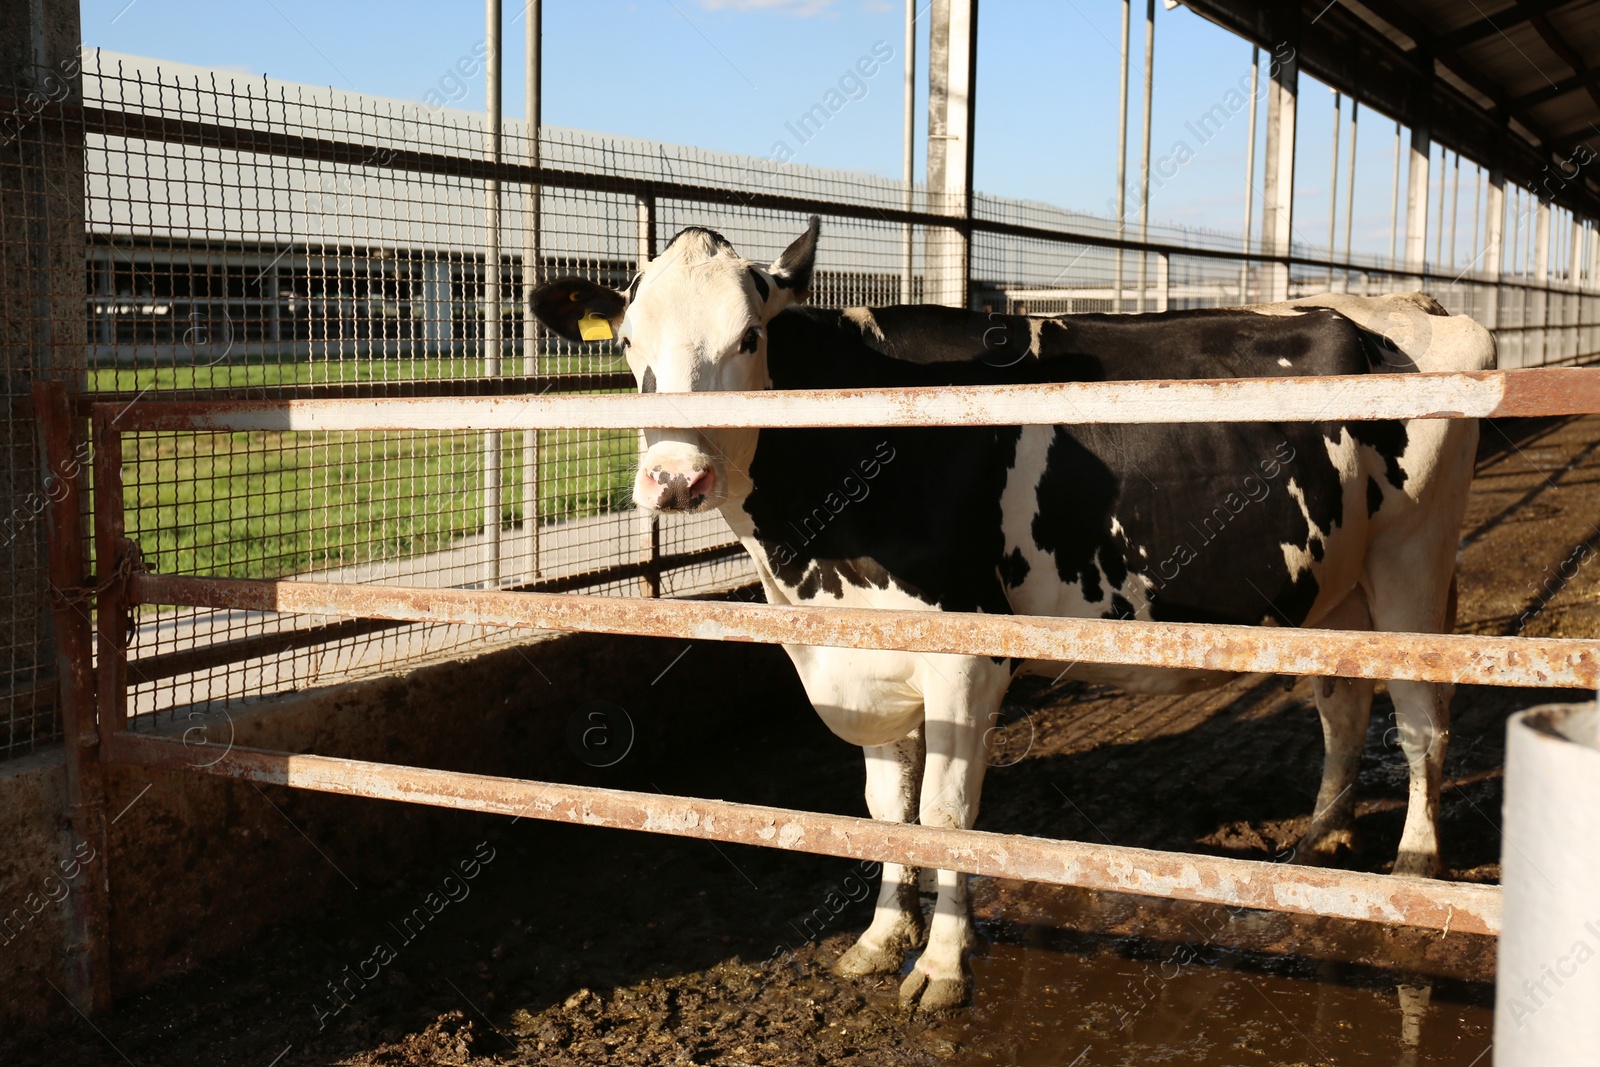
(799, 8)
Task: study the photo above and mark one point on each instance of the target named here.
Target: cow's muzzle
(675, 488)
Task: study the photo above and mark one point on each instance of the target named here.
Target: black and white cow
(1337, 525)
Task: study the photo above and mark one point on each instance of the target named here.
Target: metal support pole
(111, 612)
(1417, 205)
(1144, 151)
(1438, 231)
(1333, 186)
(1546, 983)
(1250, 174)
(1122, 155)
(1278, 207)
(1350, 190)
(1394, 202)
(952, 56)
(1541, 278)
(649, 521)
(491, 285)
(908, 155)
(64, 453)
(532, 506)
(1455, 204)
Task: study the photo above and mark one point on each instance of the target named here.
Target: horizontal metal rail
(174, 129)
(543, 385)
(1459, 658)
(1485, 394)
(149, 669)
(1448, 906)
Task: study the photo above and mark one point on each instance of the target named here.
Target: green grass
(263, 505)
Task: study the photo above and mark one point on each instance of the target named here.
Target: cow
(1340, 525)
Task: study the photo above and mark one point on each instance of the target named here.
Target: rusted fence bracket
(65, 461)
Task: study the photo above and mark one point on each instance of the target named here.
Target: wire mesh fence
(252, 239)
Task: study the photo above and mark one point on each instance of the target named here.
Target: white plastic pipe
(1547, 998)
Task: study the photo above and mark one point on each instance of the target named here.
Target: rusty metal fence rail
(96, 707)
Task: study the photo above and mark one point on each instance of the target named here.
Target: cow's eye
(625, 343)
(752, 338)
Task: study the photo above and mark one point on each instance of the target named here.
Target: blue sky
(728, 74)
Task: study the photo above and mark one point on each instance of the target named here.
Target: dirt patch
(580, 946)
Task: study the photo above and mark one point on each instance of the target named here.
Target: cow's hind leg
(1345, 707)
(961, 694)
(1410, 592)
(894, 778)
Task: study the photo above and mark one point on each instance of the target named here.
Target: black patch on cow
(719, 241)
(762, 289)
(1120, 608)
(1388, 439)
(1014, 569)
(1076, 497)
(648, 383)
(1374, 496)
(1209, 502)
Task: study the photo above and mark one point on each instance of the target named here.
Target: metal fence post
(1541, 279)
(952, 55)
(65, 457)
(908, 154)
(112, 619)
(491, 290)
(1277, 220)
(1144, 149)
(649, 521)
(532, 506)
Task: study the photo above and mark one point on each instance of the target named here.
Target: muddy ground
(574, 946)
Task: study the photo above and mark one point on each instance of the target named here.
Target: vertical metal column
(1541, 279)
(908, 149)
(649, 521)
(1417, 206)
(491, 286)
(1574, 275)
(1394, 202)
(1350, 191)
(1278, 200)
(1122, 156)
(1250, 174)
(1455, 205)
(64, 455)
(1144, 150)
(952, 57)
(532, 506)
(1438, 238)
(112, 620)
(1333, 187)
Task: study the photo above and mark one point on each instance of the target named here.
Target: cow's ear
(792, 270)
(579, 310)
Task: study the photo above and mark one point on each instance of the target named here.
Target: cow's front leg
(960, 694)
(894, 777)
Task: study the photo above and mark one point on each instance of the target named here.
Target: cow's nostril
(702, 483)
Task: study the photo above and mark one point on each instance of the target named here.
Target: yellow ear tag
(593, 328)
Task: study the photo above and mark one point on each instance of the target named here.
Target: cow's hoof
(1324, 848)
(922, 992)
(1417, 865)
(862, 958)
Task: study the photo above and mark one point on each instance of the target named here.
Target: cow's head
(694, 320)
